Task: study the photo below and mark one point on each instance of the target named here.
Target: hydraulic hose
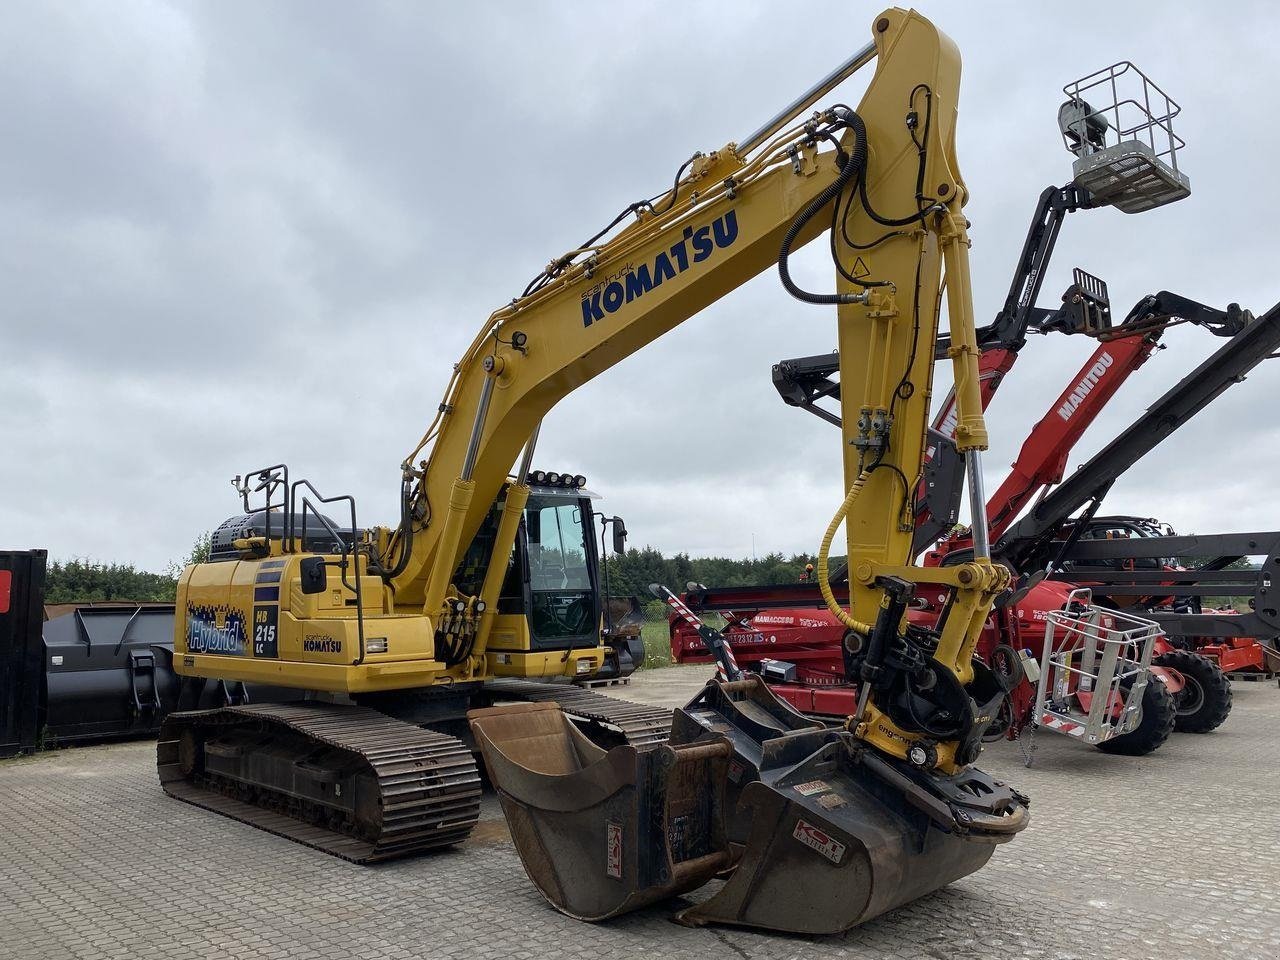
(853, 166)
(824, 576)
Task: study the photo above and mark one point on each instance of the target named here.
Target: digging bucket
(844, 835)
(602, 833)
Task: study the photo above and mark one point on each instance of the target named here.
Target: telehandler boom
(393, 649)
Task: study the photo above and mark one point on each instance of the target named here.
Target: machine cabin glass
(553, 572)
(561, 582)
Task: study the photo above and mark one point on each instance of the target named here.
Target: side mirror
(314, 576)
(619, 535)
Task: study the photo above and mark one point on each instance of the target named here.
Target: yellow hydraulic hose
(824, 575)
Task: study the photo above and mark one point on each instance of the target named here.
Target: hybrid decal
(632, 282)
(1085, 386)
(216, 630)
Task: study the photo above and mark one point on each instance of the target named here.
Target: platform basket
(1093, 670)
(1119, 125)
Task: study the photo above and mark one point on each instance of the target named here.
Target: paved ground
(1172, 856)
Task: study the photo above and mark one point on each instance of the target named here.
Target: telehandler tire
(1155, 723)
(1205, 702)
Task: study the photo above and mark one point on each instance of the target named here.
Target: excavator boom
(832, 812)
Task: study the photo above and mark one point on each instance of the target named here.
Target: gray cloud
(235, 233)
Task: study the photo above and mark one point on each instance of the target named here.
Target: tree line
(631, 573)
(80, 580)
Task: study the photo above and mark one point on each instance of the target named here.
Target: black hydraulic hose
(405, 531)
(852, 167)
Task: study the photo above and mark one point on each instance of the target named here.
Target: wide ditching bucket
(602, 833)
(832, 844)
(834, 833)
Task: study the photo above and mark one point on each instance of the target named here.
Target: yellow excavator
(391, 634)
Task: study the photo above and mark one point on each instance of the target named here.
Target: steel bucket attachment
(834, 833)
(768, 735)
(845, 835)
(602, 833)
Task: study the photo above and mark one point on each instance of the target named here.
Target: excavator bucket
(834, 833)
(833, 842)
(825, 832)
(603, 833)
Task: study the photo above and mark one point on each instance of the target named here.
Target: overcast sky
(237, 233)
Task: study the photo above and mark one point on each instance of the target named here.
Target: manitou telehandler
(390, 634)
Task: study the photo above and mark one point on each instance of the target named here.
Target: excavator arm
(884, 183)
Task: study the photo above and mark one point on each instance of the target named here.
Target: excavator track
(601, 718)
(346, 780)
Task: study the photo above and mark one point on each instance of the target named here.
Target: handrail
(292, 541)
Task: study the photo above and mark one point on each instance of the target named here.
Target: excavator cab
(555, 596)
(552, 599)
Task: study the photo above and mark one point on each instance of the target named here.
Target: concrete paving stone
(1171, 856)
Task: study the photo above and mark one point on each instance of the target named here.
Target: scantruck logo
(632, 282)
(1085, 387)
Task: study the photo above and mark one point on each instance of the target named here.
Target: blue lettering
(591, 309)
(726, 229)
(680, 253)
(662, 269)
(702, 245)
(613, 296)
(639, 282)
(609, 297)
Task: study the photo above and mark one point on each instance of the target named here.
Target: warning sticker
(810, 788)
(613, 843)
(832, 801)
(816, 839)
(860, 269)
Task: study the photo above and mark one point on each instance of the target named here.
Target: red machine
(806, 643)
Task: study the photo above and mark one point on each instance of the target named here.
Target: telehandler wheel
(1155, 723)
(1205, 701)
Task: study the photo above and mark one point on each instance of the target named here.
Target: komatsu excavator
(391, 633)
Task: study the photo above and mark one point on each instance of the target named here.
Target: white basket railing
(1101, 653)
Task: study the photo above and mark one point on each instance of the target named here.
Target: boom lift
(399, 648)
